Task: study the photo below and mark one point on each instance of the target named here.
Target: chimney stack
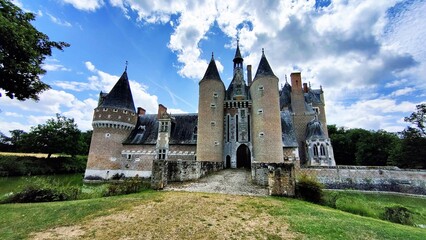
(305, 87)
(249, 79)
(161, 111)
(296, 82)
(141, 111)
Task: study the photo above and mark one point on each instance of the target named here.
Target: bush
(42, 190)
(398, 214)
(309, 189)
(129, 185)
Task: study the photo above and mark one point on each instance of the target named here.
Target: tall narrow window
(236, 127)
(248, 124)
(322, 150)
(164, 127)
(315, 150)
(227, 128)
(194, 133)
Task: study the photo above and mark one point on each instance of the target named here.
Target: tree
(22, 51)
(59, 135)
(418, 118)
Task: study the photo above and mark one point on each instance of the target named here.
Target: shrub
(309, 189)
(118, 176)
(42, 190)
(398, 214)
(129, 185)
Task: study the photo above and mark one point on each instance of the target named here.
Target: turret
(266, 126)
(113, 120)
(210, 116)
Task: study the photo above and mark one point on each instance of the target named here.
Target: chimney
(141, 111)
(296, 82)
(161, 110)
(249, 75)
(305, 87)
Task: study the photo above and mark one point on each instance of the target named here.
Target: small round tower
(113, 120)
(266, 125)
(210, 116)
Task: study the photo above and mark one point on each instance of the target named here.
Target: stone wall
(369, 178)
(279, 177)
(164, 171)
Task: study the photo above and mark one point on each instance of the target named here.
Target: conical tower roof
(238, 58)
(120, 96)
(264, 68)
(211, 73)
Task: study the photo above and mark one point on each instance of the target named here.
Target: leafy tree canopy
(59, 135)
(22, 51)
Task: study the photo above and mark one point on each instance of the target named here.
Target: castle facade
(250, 121)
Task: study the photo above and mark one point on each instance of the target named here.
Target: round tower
(266, 125)
(113, 120)
(210, 116)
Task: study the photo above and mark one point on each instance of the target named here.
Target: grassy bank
(181, 215)
(374, 204)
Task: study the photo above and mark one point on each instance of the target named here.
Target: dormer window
(115, 110)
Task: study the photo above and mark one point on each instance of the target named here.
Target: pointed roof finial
(125, 69)
(212, 55)
(285, 78)
(263, 51)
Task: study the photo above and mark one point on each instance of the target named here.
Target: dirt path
(228, 181)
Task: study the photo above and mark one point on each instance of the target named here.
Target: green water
(11, 184)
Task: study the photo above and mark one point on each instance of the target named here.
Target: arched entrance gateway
(243, 157)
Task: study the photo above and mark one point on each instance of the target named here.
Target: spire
(264, 69)
(120, 95)
(212, 72)
(238, 60)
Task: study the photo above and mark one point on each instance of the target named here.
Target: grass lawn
(38, 155)
(183, 215)
(373, 204)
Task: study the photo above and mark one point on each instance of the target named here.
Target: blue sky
(369, 56)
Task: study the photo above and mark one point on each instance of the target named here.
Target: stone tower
(237, 134)
(113, 120)
(266, 126)
(210, 116)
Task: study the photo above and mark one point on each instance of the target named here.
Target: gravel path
(228, 181)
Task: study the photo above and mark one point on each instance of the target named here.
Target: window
(195, 133)
(315, 150)
(261, 134)
(212, 105)
(115, 110)
(216, 143)
(260, 111)
(261, 88)
(317, 111)
(129, 157)
(215, 95)
(213, 123)
(162, 154)
(322, 150)
(164, 127)
(125, 111)
(105, 109)
(107, 135)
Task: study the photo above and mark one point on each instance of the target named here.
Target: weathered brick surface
(281, 179)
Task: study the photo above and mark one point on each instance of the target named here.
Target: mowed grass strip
(183, 215)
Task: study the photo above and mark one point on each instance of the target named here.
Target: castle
(247, 123)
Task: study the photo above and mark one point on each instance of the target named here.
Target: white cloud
(85, 5)
(59, 21)
(396, 83)
(402, 92)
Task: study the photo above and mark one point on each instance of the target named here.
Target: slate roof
(120, 96)
(314, 130)
(238, 57)
(285, 96)
(313, 96)
(146, 130)
(211, 73)
(264, 68)
(288, 133)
